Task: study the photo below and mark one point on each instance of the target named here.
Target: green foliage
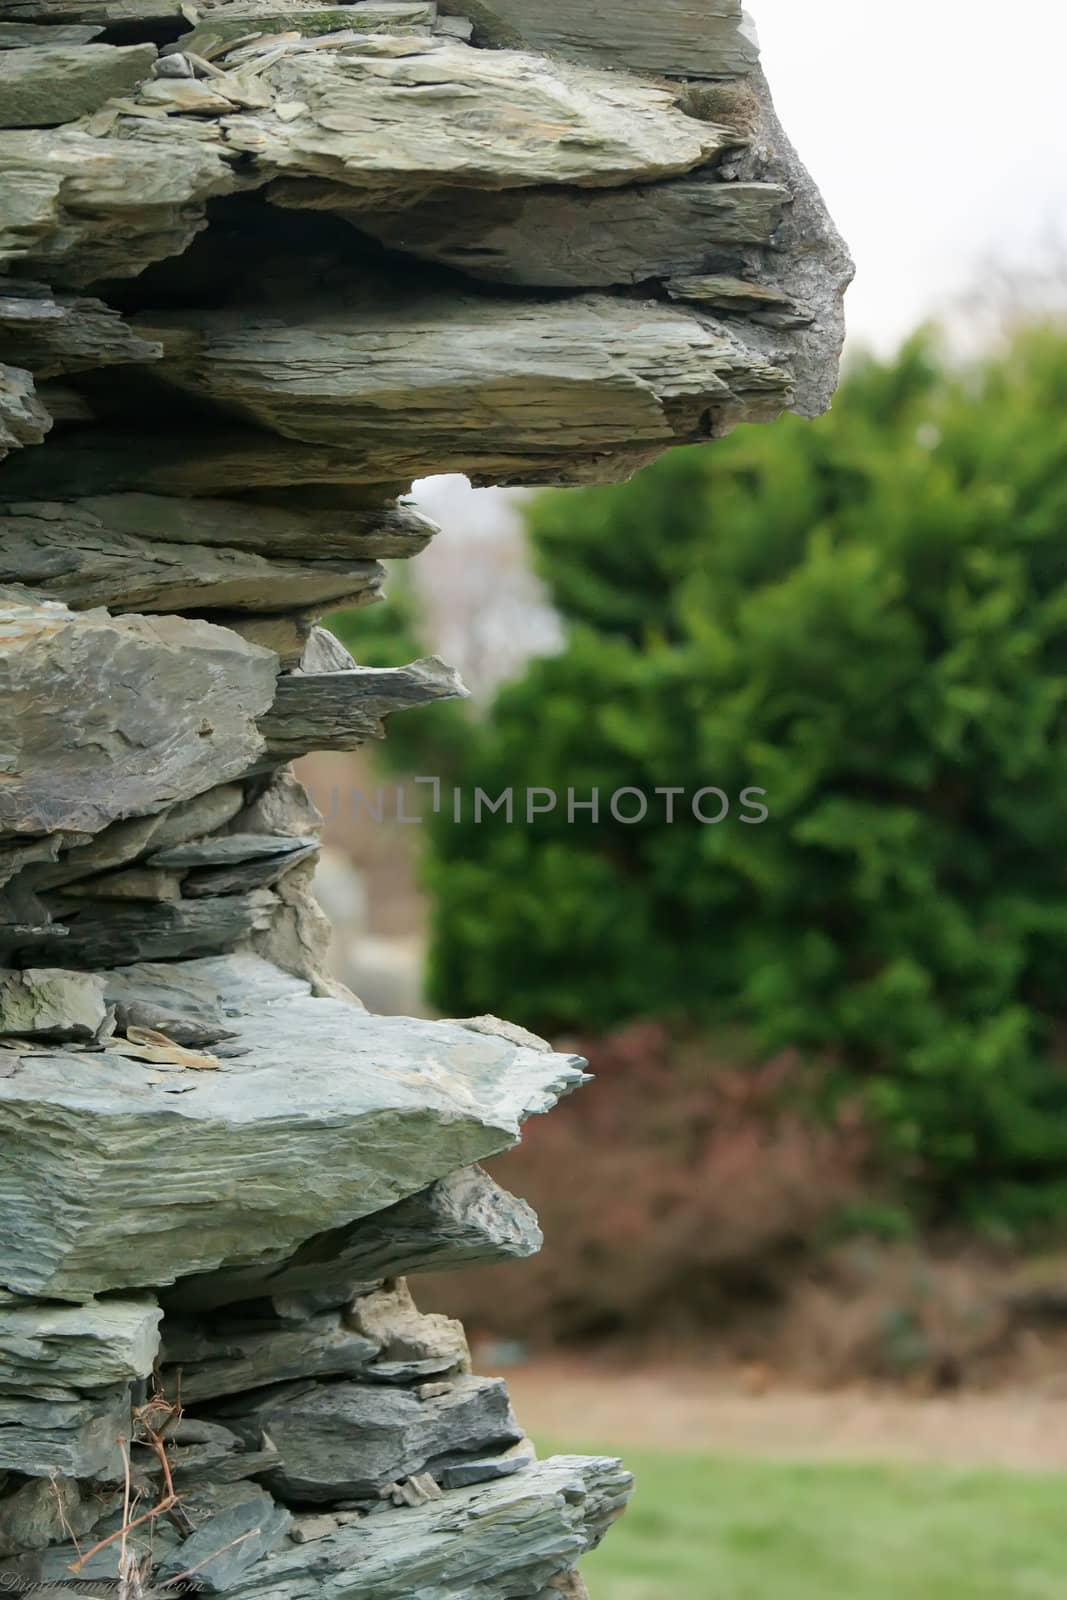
(864, 617)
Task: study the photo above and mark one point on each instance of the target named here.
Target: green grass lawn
(701, 1528)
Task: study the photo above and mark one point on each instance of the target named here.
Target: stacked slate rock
(265, 262)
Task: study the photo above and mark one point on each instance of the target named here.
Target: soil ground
(679, 1407)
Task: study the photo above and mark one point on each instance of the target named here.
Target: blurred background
(806, 1234)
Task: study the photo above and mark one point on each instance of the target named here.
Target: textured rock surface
(347, 1441)
(60, 82)
(77, 1347)
(265, 262)
(462, 1219)
(336, 1119)
(686, 38)
(103, 718)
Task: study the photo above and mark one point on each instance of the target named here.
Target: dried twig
(155, 1408)
(63, 1523)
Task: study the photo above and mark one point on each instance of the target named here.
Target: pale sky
(937, 131)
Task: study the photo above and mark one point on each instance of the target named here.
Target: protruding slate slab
(535, 120)
(357, 533)
(119, 932)
(510, 1537)
(82, 208)
(58, 83)
(108, 717)
(76, 559)
(104, 13)
(103, 1343)
(505, 391)
(342, 710)
(680, 38)
(463, 1219)
(332, 1115)
(347, 1441)
(55, 334)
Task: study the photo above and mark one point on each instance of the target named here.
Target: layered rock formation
(266, 261)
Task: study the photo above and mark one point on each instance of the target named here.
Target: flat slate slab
(49, 84)
(462, 1220)
(680, 38)
(511, 1537)
(114, 1173)
(348, 1441)
(76, 1347)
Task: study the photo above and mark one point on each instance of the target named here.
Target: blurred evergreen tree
(865, 617)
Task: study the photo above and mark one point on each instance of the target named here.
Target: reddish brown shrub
(674, 1191)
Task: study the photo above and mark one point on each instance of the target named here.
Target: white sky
(937, 131)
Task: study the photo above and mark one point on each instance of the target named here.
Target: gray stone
(123, 842)
(120, 932)
(346, 1441)
(200, 1455)
(505, 390)
(97, 1200)
(73, 1436)
(342, 710)
(23, 419)
(593, 127)
(511, 1537)
(240, 18)
(113, 717)
(105, 1342)
(570, 238)
(459, 1472)
(53, 334)
(60, 82)
(76, 559)
(202, 1362)
(363, 533)
(244, 877)
(810, 265)
(225, 850)
(19, 35)
(170, 997)
(462, 1220)
(50, 1003)
(103, 13)
(228, 1544)
(81, 208)
(46, 1511)
(680, 38)
(133, 883)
